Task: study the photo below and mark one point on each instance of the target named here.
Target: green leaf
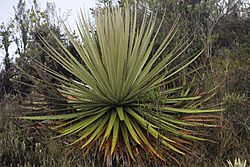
(126, 139)
(81, 125)
(109, 127)
(115, 135)
(192, 111)
(96, 133)
(120, 113)
(131, 129)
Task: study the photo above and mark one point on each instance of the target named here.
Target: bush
(30, 147)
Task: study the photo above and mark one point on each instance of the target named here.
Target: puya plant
(125, 98)
(237, 163)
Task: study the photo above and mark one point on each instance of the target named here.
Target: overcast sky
(6, 9)
(7, 12)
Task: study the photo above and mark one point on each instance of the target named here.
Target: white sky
(7, 11)
(6, 6)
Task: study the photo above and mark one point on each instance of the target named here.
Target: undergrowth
(29, 145)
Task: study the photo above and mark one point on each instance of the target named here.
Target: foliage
(23, 146)
(6, 86)
(23, 32)
(221, 27)
(123, 99)
(237, 163)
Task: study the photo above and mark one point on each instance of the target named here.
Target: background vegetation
(221, 27)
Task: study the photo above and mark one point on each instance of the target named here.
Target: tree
(6, 86)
